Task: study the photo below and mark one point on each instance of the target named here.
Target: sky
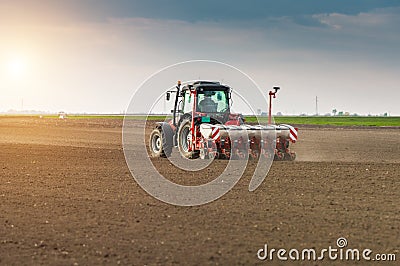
(92, 55)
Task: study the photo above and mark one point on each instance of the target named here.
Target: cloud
(386, 19)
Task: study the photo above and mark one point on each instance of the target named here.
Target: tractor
(203, 126)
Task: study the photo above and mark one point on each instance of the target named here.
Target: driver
(207, 105)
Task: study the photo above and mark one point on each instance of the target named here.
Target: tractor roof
(205, 84)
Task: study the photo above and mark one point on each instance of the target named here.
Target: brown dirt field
(68, 198)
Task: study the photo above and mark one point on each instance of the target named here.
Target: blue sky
(193, 11)
(90, 56)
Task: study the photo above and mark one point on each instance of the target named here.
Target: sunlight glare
(16, 67)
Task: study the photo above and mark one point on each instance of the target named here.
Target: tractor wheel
(159, 144)
(184, 138)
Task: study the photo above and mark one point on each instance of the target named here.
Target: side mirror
(168, 96)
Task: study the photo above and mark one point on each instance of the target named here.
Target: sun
(16, 67)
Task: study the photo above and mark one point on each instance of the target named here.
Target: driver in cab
(207, 105)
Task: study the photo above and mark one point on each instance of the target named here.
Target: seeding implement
(203, 126)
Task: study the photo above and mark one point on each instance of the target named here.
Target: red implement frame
(272, 94)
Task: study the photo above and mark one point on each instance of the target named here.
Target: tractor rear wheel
(185, 138)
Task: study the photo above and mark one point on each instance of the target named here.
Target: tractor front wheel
(159, 145)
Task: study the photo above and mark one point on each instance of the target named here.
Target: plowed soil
(68, 198)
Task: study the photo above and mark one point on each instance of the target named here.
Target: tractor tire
(160, 143)
(168, 136)
(183, 136)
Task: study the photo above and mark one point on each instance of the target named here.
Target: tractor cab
(209, 101)
(209, 98)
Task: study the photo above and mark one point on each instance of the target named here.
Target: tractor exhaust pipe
(178, 90)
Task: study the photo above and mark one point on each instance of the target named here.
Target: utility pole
(316, 105)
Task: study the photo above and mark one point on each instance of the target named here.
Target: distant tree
(334, 111)
(279, 114)
(385, 114)
(340, 113)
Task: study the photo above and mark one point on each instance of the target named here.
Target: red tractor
(203, 126)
